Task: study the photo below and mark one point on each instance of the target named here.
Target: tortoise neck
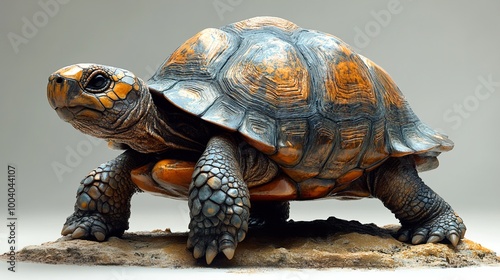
(163, 127)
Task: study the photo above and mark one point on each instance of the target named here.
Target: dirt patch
(316, 244)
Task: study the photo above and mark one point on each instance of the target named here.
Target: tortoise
(242, 119)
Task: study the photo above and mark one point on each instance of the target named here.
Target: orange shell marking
(350, 84)
(272, 73)
(392, 94)
(198, 54)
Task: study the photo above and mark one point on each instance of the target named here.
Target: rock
(317, 244)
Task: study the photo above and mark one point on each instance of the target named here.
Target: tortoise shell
(304, 98)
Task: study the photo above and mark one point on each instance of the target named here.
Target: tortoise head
(97, 99)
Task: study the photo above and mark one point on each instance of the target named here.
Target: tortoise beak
(60, 91)
(67, 97)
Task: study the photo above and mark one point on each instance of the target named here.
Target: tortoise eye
(98, 83)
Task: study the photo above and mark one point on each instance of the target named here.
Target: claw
(99, 236)
(67, 229)
(241, 235)
(211, 253)
(463, 229)
(403, 237)
(453, 237)
(190, 244)
(417, 239)
(229, 253)
(434, 239)
(198, 251)
(78, 233)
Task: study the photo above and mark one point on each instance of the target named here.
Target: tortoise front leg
(102, 207)
(219, 201)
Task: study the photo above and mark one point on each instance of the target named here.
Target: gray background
(437, 52)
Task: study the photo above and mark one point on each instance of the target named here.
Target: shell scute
(259, 131)
(195, 98)
(323, 134)
(378, 150)
(353, 136)
(291, 141)
(342, 81)
(201, 56)
(224, 112)
(267, 73)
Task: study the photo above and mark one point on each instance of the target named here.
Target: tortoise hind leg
(424, 215)
(102, 208)
(269, 213)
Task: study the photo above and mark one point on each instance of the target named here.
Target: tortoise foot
(223, 239)
(447, 226)
(219, 220)
(92, 226)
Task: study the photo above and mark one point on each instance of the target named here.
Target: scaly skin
(102, 208)
(219, 201)
(424, 215)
